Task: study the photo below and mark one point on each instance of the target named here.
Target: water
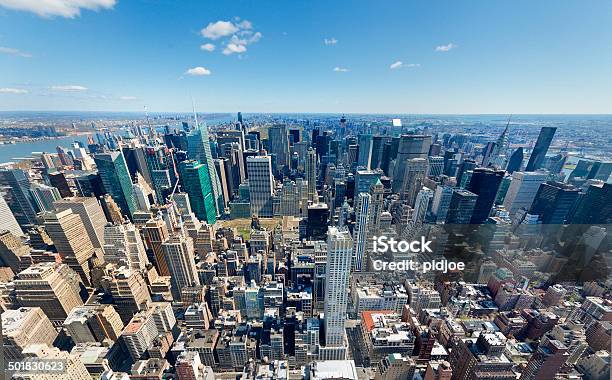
(17, 151)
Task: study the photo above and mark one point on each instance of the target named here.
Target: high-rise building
(180, 257)
(310, 169)
(546, 361)
(116, 180)
(93, 323)
(51, 286)
(484, 183)
(360, 232)
(128, 290)
(261, 185)
(23, 327)
(461, 207)
(224, 173)
(123, 246)
(464, 167)
(195, 181)
(15, 186)
(421, 205)
(199, 150)
(365, 151)
(515, 161)
(44, 196)
(156, 233)
(338, 267)
(73, 367)
(536, 159)
(162, 168)
(8, 221)
(410, 146)
(595, 206)
(278, 138)
(414, 174)
(71, 240)
(91, 213)
(553, 202)
(523, 189)
(435, 166)
(441, 202)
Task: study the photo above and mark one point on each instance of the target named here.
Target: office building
(199, 150)
(522, 190)
(338, 267)
(410, 146)
(365, 151)
(23, 327)
(123, 246)
(461, 207)
(71, 240)
(93, 323)
(553, 202)
(484, 183)
(360, 232)
(91, 213)
(278, 139)
(44, 196)
(261, 185)
(116, 180)
(8, 221)
(15, 187)
(195, 181)
(180, 258)
(310, 169)
(128, 290)
(51, 286)
(156, 233)
(536, 159)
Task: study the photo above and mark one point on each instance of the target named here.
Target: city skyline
(442, 58)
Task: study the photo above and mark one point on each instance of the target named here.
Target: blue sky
(307, 56)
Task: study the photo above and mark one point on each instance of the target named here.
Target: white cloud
(399, 64)
(330, 41)
(127, 98)
(11, 51)
(7, 90)
(216, 30)
(340, 69)
(69, 88)
(446, 47)
(235, 36)
(232, 48)
(207, 47)
(198, 71)
(63, 8)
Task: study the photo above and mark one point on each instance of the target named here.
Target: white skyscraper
(179, 254)
(123, 246)
(338, 267)
(44, 196)
(91, 213)
(261, 185)
(523, 189)
(360, 233)
(311, 174)
(421, 204)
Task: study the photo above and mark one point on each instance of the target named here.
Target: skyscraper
(23, 327)
(365, 151)
(360, 233)
(541, 147)
(414, 174)
(195, 181)
(123, 246)
(515, 161)
(261, 185)
(53, 287)
(410, 146)
(15, 185)
(156, 233)
(199, 150)
(91, 214)
(71, 240)
(461, 207)
(595, 207)
(8, 221)
(522, 190)
(338, 267)
(553, 202)
(484, 183)
(179, 254)
(44, 196)
(311, 174)
(278, 139)
(116, 179)
(160, 164)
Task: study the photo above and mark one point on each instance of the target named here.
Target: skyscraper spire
(503, 140)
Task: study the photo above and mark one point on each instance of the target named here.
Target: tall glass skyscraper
(484, 183)
(195, 181)
(116, 180)
(541, 147)
(199, 149)
(15, 185)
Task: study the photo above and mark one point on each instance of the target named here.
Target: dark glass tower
(116, 179)
(461, 207)
(595, 207)
(515, 161)
(541, 147)
(484, 183)
(196, 182)
(553, 202)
